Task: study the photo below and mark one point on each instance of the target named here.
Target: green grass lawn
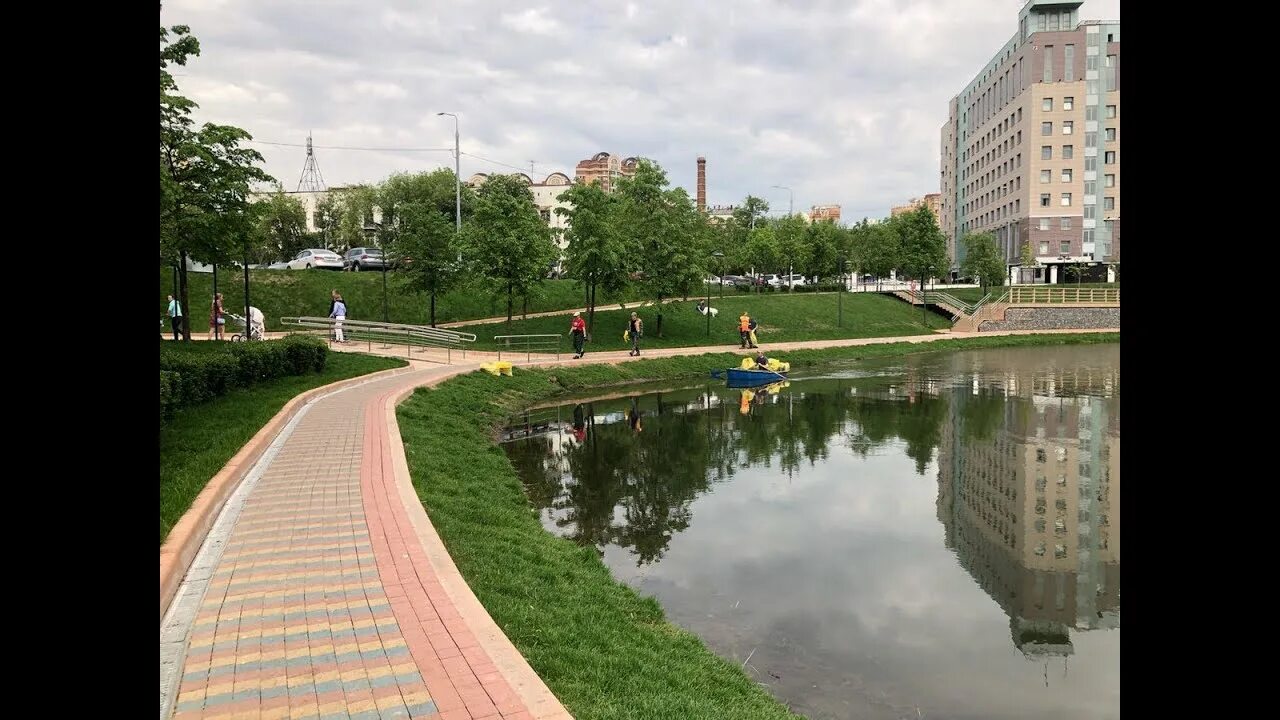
(973, 295)
(602, 648)
(782, 318)
(284, 293)
(198, 441)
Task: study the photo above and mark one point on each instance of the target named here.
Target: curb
(188, 534)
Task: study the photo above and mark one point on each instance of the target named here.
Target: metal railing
(528, 344)
(938, 297)
(414, 337)
(1047, 295)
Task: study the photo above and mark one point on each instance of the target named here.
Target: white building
(546, 195)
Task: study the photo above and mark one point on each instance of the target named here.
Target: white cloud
(841, 101)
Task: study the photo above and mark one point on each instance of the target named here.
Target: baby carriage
(256, 326)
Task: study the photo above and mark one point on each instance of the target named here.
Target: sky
(841, 101)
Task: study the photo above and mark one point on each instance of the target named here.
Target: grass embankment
(973, 295)
(603, 649)
(294, 293)
(198, 441)
(782, 318)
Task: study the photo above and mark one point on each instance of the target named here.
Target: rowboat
(739, 378)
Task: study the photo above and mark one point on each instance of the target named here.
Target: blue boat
(738, 378)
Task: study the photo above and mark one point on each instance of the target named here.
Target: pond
(936, 536)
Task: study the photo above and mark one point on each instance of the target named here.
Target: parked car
(732, 279)
(786, 280)
(316, 258)
(364, 258)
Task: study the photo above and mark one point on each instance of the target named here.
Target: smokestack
(702, 184)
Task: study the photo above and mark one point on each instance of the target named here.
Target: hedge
(192, 373)
(821, 287)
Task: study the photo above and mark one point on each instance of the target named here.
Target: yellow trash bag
(753, 338)
(626, 335)
(777, 365)
(748, 363)
(500, 367)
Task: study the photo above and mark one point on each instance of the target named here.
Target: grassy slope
(199, 440)
(782, 318)
(603, 649)
(280, 293)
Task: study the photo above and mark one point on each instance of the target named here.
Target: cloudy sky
(843, 101)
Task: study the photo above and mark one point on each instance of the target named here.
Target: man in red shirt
(578, 329)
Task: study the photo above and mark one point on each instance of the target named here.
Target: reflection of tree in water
(686, 445)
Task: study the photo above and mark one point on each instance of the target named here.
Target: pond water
(936, 536)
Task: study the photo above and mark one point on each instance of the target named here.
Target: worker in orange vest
(744, 329)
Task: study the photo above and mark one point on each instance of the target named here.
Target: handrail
(420, 336)
(1042, 294)
(528, 344)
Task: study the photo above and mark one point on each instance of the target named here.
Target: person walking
(338, 313)
(635, 327)
(578, 329)
(175, 317)
(216, 319)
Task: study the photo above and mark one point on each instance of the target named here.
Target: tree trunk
(591, 304)
(510, 292)
(658, 331)
(524, 309)
(433, 308)
(182, 295)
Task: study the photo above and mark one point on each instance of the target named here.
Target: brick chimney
(702, 184)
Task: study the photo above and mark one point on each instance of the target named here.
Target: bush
(192, 373)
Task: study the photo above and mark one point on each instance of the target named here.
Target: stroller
(256, 326)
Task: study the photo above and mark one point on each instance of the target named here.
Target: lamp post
(840, 297)
(720, 256)
(791, 199)
(717, 254)
(924, 304)
(371, 231)
(457, 172)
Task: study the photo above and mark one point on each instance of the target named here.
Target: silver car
(364, 258)
(316, 258)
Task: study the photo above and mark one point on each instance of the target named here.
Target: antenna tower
(311, 180)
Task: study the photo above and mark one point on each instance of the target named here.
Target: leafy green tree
(923, 244)
(422, 232)
(983, 260)
(823, 249)
(281, 228)
(792, 234)
(878, 249)
(352, 207)
(748, 214)
(205, 175)
(507, 241)
(597, 252)
(1028, 257)
(762, 248)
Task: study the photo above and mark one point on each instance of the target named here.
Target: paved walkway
(323, 591)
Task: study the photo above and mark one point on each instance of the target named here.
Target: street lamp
(717, 254)
(371, 231)
(924, 305)
(791, 199)
(840, 297)
(457, 172)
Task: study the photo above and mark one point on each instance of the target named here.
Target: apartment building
(1031, 147)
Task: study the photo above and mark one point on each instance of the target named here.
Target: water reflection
(818, 551)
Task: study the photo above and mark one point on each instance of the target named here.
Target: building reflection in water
(1029, 497)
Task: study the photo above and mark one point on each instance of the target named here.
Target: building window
(1046, 104)
(1042, 21)
(1091, 139)
(1068, 103)
(1019, 142)
(1090, 187)
(1053, 22)
(1046, 128)
(1048, 64)
(1109, 181)
(1111, 111)
(1068, 63)
(1064, 247)
(1067, 127)
(1108, 204)
(1091, 112)
(1089, 212)
(1109, 158)
(1066, 174)
(1019, 114)
(1046, 152)
(1068, 152)
(1044, 199)
(1044, 223)
(1066, 199)
(1046, 176)
(1090, 163)
(1111, 134)
(1065, 224)
(1044, 250)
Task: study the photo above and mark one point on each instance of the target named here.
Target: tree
(748, 213)
(1028, 257)
(667, 237)
(281, 228)
(762, 248)
(924, 247)
(982, 260)
(878, 249)
(205, 175)
(350, 208)
(422, 232)
(823, 249)
(597, 253)
(792, 235)
(508, 241)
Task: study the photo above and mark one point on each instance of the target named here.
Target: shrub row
(192, 373)
(822, 287)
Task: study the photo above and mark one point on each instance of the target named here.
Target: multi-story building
(819, 213)
(1031, 147)
(932, 200)
(606, 168)
(1031, 505)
